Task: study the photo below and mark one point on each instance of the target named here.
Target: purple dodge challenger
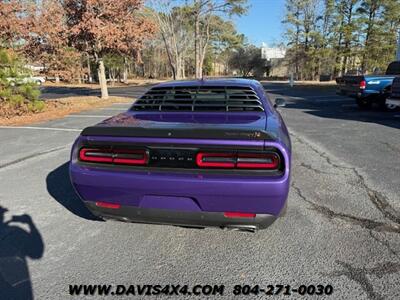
(190, 153)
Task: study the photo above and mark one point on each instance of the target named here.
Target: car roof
(212, 82)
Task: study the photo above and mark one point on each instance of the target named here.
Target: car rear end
(187, 155)
(350, 85)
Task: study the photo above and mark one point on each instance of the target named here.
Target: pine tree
(16, 94)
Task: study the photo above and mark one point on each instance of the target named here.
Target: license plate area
(172, 158)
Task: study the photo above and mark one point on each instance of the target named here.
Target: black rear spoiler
(233, 134)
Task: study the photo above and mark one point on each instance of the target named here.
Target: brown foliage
(14, 22)
(56, 32)
(48, 42)
(100, 26)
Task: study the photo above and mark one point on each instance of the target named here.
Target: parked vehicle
(394, 98)
(369, 89)
(192, 153)
(39, 80)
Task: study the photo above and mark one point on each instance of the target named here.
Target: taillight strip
(131, 157)
(215, 160)
(258, 161)
(269, 161)
(96, 155)
(116, 156)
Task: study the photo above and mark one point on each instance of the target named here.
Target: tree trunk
(125, 74)
(169, 57)
(89, 70)
(347, 44)
(201, 61)
(179, 68)
(371, 22)
(111, 76)
(338, 57)
(198, 70)
(183, 69)
(102, 80)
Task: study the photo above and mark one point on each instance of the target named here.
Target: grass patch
(41, 111)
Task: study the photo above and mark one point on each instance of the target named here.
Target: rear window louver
(199, 98)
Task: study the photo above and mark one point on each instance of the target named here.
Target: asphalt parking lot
(342, 226)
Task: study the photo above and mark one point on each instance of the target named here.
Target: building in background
(274, 60)
(269, 53)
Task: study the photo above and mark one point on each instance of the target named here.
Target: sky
(262, 23)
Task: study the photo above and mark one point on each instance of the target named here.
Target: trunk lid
(183, 125)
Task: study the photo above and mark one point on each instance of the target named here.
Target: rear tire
(387, 107)
(382, 102)
(364, 103)
(391, 107)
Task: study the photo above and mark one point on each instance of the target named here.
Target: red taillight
(108, 205)
(131, 157)
(96, 155)
(268, 161)
(215, 160)
(116, 156)
(238, 215)
(363, 85)
(258, 161)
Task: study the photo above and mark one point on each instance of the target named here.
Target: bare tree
(203, 10)
(173, 24)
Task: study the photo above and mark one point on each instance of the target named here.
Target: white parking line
(319, 98)
(314, 96)
(120, 109)
(332, 100)
(41, 128)
(88, 116)
(274, 91)
(322, 100)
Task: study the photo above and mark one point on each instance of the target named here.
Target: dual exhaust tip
(246, 228)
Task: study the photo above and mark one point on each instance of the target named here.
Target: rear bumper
(182, 192)
(344, 92)
(358, 94)
(173, 217)
(194, 192)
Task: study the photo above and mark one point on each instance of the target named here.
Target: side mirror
(279, 102)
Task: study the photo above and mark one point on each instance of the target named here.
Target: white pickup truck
(39, 80)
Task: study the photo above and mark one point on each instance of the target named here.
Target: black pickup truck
(368, 89)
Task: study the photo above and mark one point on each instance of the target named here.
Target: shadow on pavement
(377, 116)
(60, 188)
(54, 92)
(16, 245)
(337, 109)
(50, 92)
